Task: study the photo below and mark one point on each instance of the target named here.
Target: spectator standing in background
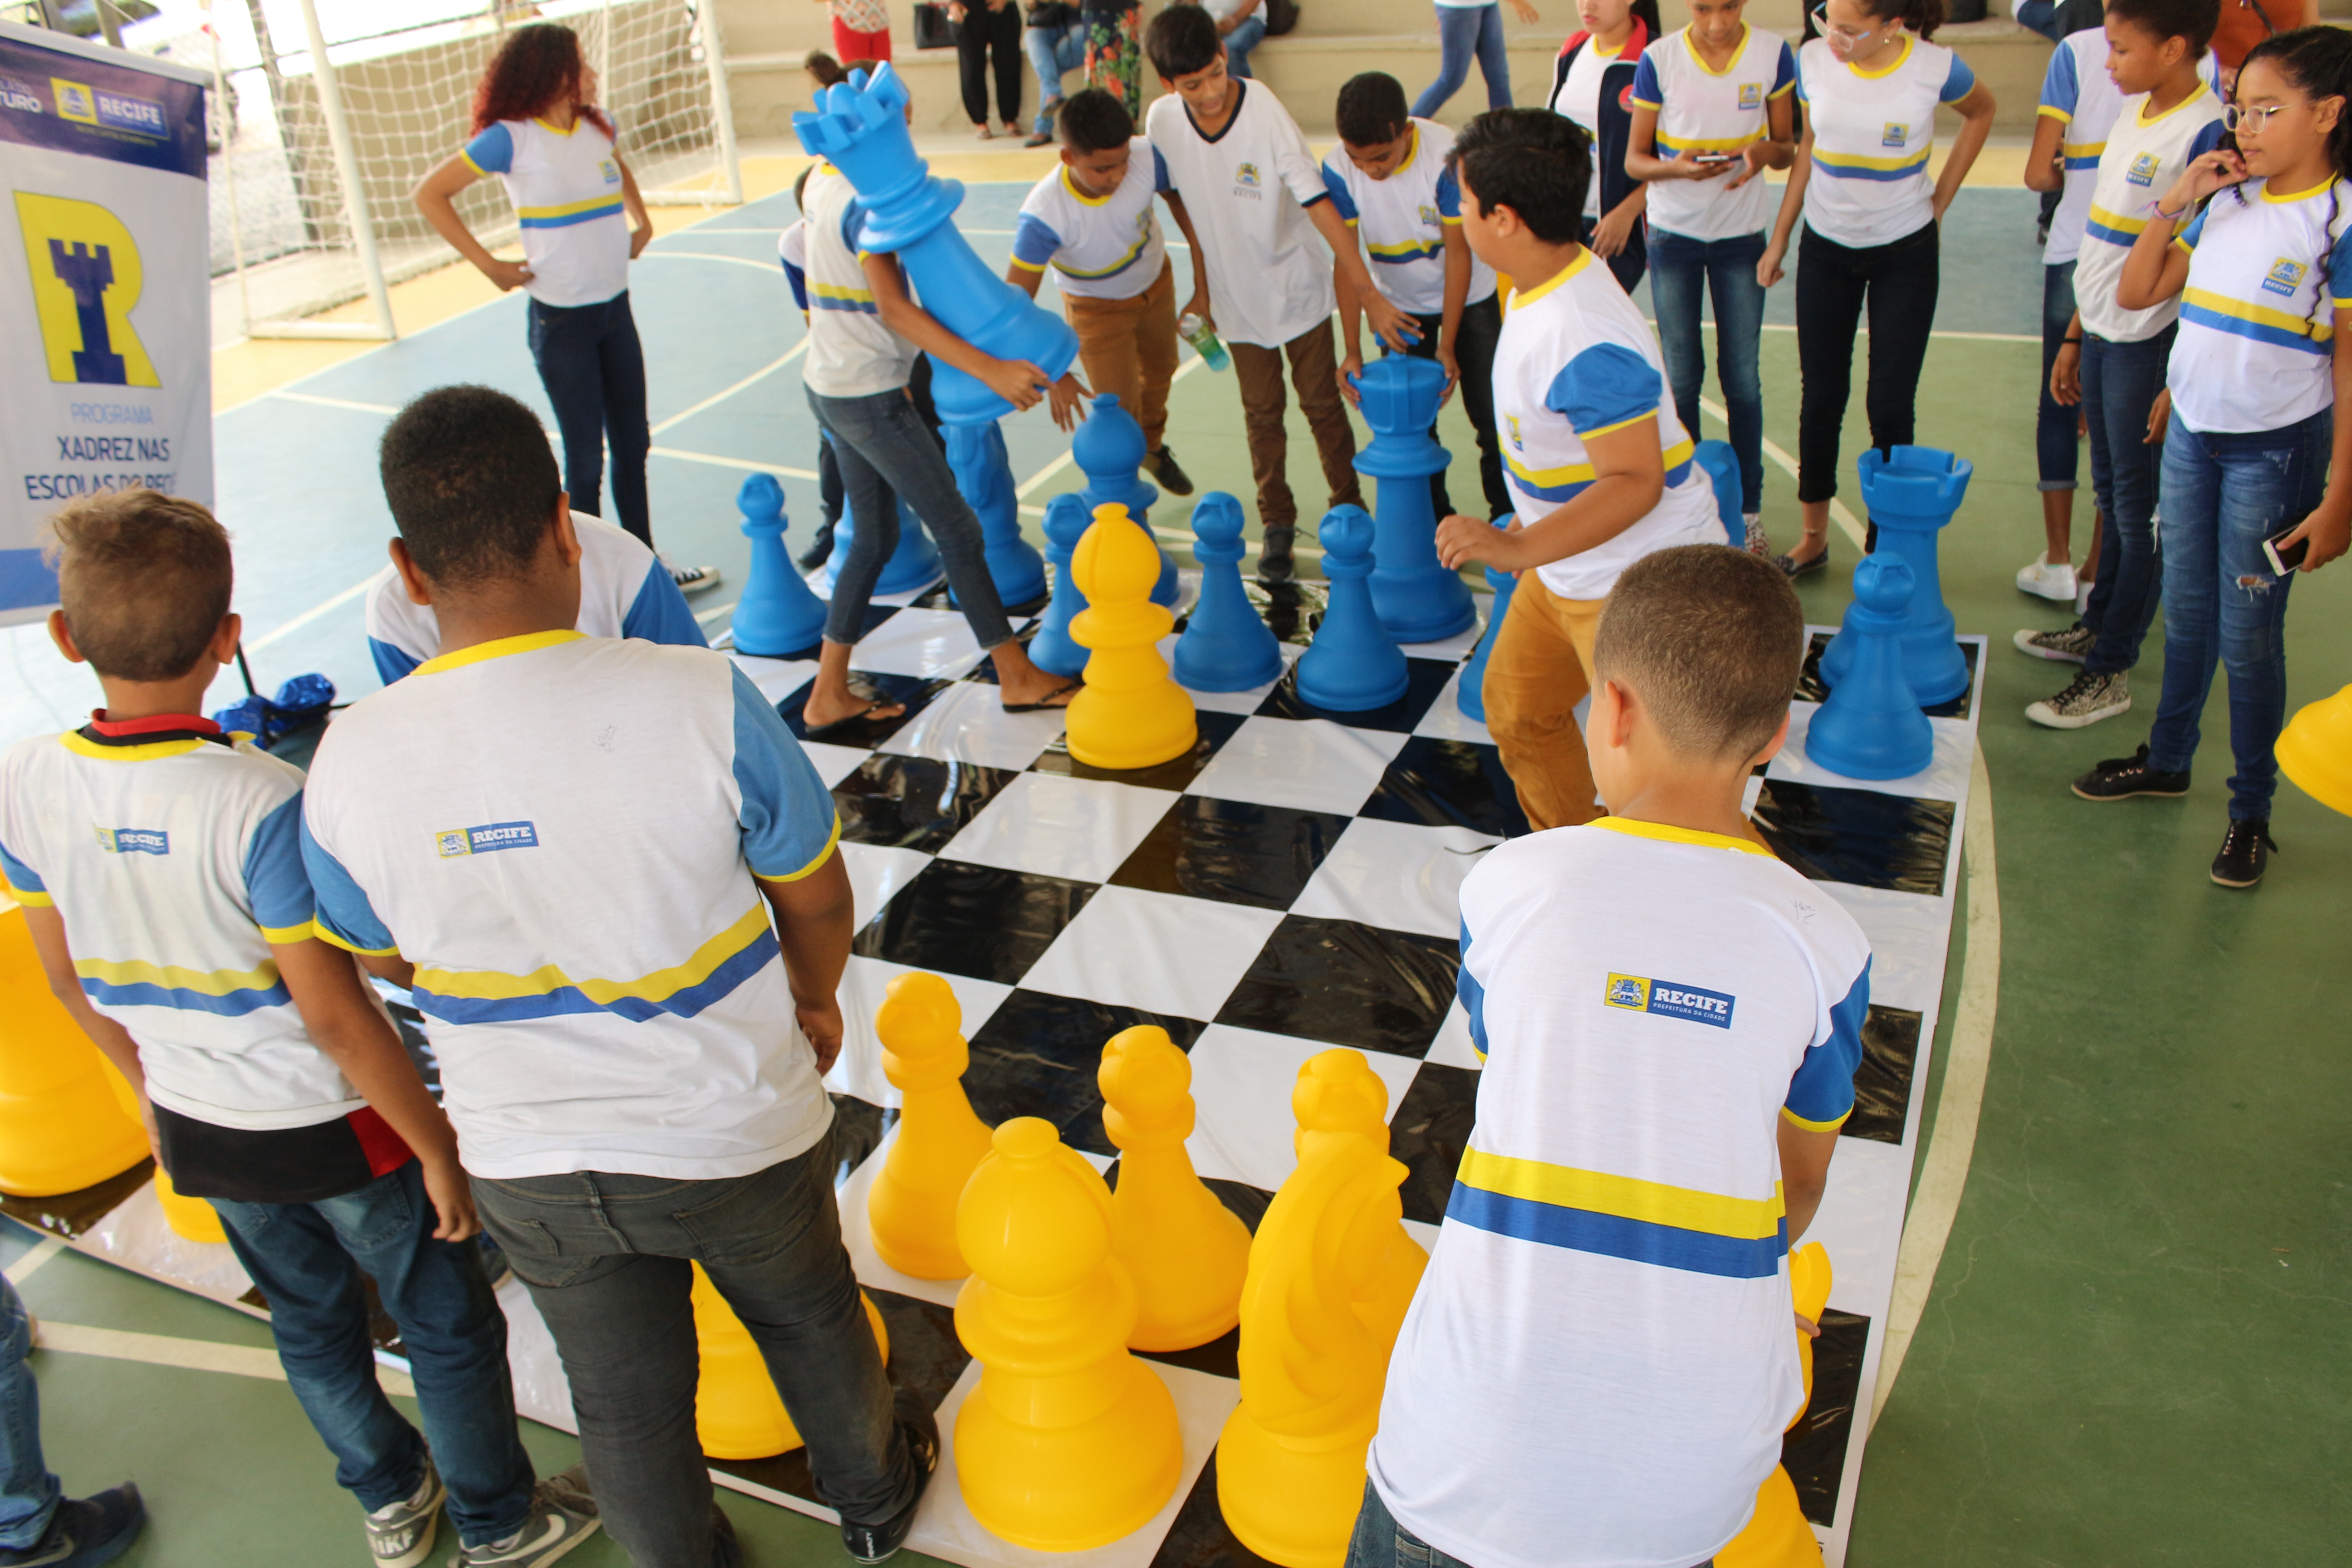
(861, 30)
(2245, 23)
(1242, 24)
(988, 28)
(1467, 28)
(1115, 50)
(1055, 42)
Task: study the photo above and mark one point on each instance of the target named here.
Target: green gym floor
(2133, 1350)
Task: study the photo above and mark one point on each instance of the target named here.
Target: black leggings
(980, 32)
(1899, 280)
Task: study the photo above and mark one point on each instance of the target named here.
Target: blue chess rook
(1418, 600)
(1226, 645)
(1109, 449)
(983, 474)
(1470, 690)
(914, 563)
(1910, 496)
(1871, 727)
(1353, 664)
(777, 614)
(1054, 649)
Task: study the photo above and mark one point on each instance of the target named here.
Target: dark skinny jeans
(594, 369)
(1897, 281)
(980, 33)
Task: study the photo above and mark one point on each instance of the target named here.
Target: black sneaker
(85, 1531)
(820, 549)
(726, 1551)
(1275, 563)
(872, 1544)
(1171, 476)
(691, 579)
(2120, 778)
(2246, 852)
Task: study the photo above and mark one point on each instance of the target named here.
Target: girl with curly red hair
(538, 128)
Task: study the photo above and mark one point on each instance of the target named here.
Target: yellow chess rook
(1131, 714)
(911, 1207)
(1317, 1328)
(1068, 1442)
(61, 1129)
(737, 1415)
(1777, 1535)
(1186, 1252)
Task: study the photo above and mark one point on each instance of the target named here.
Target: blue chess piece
(1109, 449)
(1910, 496)
(1052, 649)
(1470, 690)
(1226, 645)
(1417, 598)
(983, 473)
(913, 565)
(1871, 727)
(777, 614)
(1353, 664)
(1721, 466)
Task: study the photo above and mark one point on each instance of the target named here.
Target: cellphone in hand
(2285, 559)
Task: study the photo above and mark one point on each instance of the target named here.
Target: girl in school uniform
(538, 129)
(1592, 84)
(1870, 86)
(2264, 279)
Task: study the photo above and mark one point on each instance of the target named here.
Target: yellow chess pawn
(1069, 1442)
(61, 1129)
(1290, 1463)
(911, 1207)
(1338, 1093)
(737, 1415)
(1186, 1251)
(1777, 1535)
(192, 1219)
(1131, 713)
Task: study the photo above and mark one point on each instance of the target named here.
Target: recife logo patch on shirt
(2143, 170)
(610, 169)
(1633, 994)
(1894, 136)
(1513, 421)
(1247, 176)
(2285, 276)
(1751, 95)
(134, 840)
(482, 840)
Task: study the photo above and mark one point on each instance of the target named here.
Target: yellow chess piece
(1186, 1251)
(1315, 1332)
(61, 1129)
(2315, 751)
(911, 1207)
(192, 1219)
(1777, 1535)
(1069, 1442)
(1338, 1093)
(737, 1415)
(1131, 713)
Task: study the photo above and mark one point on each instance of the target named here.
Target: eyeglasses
(2236, 117)
(1847, 36)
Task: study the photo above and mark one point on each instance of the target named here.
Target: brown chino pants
(1128, 347)
(1314, 371)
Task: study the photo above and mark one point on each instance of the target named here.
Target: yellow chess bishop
(1186, 1252)
(737, 1415)
(1317, 1323)
(1131, 713)
(61, 1129)
(1777, 1535)
(1068, 1442)
(911, 1207)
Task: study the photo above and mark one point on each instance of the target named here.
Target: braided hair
(2318, 62)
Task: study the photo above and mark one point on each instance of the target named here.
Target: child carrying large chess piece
(1598, 464)
(1670, 1020)
(608, 875)
(270, 1078)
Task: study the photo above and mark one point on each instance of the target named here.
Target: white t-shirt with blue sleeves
(624, 592)
(562, 835)
(1872, 131)
(566, 190)
(2143, 156)
(1404, 221)
(2266, 274)
(1702, 109)
(1100, 248)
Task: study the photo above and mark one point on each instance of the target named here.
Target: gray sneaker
(2087, 700)
(2072, 645)
(562, 1515)
(400, 1534)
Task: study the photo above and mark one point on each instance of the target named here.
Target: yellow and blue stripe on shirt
(1604, 388)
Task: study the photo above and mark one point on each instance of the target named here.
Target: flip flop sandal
(1045, 702)
(873, 710)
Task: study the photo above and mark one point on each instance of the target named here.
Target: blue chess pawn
(913, 565)
(777, 614)
(1417, 598)
(1109, 449)
(1871, 727)
(1052, 649)
(1353, 664)
(1470, 690)
(983, 473)
(1721, 466)
(1910, 496)
(1226, 645)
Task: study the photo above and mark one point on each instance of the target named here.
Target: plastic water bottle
(1205, 341)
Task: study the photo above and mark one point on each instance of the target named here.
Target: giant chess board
(1287, 886)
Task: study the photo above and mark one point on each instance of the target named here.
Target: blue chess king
(1470, 690)
(777, 614)
(1871, 727)
(1054, 649)
(1226, 645)
(1353, 664)
(1418, 600)
(1910, 495)
(1109, 449)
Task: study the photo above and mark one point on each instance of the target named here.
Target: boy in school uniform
(1670, 1020)
(159, 866)
(1256, 200)
(1598, 464)
(1389, 179)
(1091, 221)
(608, 874)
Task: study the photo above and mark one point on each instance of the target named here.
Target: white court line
(1865, 331)
(1847, 521)
(774, 267)
(189, 1355)
(383, 408)
(40, 1252)
(312, 614)
(766, 370)
(718, 462)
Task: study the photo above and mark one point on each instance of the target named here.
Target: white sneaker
(1758, 544)
(2087, 700)
(691, 579)
(2083, 594)
(2044, 581)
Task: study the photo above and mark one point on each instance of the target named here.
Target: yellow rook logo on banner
(85, 280)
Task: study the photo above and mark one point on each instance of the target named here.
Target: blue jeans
(307, 1258)
(1052, 51)
(1248, 35)
(2054, 422)
(1463, 31)
(1682, 271)
(2120, 382)
(594, 369)
(886, 452)
(28, 1493)
(1379, 1541)
(2223, 495)
(2041, 15)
